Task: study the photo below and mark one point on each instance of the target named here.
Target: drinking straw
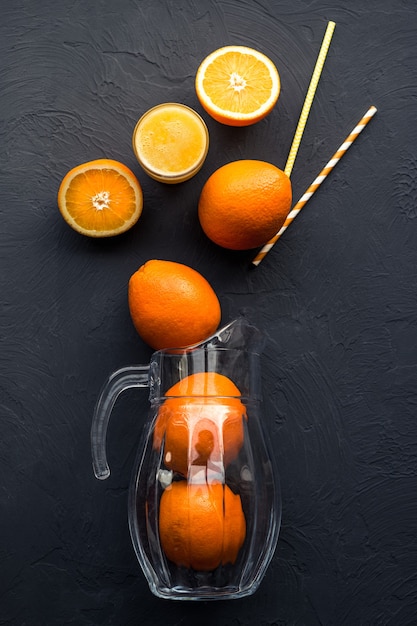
(309, 97)
(317, 182)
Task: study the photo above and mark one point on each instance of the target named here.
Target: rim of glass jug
(252, 344)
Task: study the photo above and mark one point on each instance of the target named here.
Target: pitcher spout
(239, 334)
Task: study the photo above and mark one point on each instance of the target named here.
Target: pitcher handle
(122, 379)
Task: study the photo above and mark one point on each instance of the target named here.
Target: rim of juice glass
(181, 175)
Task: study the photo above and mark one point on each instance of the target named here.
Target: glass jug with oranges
(204, 504)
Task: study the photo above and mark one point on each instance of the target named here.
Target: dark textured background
(336, 298)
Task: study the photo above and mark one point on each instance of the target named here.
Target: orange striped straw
(316, 183)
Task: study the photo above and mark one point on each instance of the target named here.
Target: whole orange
(172, 305)
(201, 526)
(244, 203)
(203, 422)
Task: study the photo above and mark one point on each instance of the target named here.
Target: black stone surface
(336, 298)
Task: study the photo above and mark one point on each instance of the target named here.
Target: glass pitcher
(204, 504)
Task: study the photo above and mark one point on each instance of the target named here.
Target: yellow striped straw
(309, 97)
(316, 183)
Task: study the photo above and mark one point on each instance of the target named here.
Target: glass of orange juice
(171, 142)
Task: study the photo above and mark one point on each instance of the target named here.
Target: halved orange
(237, 86)
(100, 198)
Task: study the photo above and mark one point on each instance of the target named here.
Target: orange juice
(171, 142)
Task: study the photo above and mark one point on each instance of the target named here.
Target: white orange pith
(100, 198)
(237, 85)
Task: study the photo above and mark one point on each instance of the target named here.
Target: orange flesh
(238, 83)
(100, 199)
